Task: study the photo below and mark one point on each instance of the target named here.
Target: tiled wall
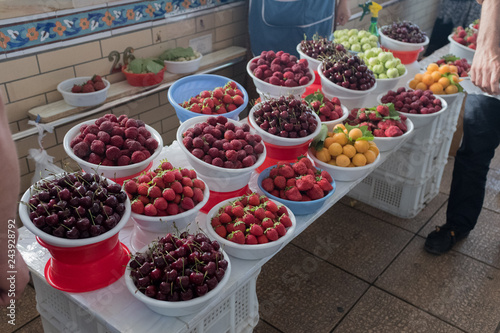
(32, 80)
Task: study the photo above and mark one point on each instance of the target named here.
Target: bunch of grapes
(321, 47)
(404, 31)
(349, 72)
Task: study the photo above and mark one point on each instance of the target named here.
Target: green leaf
(316, 96)
(136, 66)
(450, 77)
(154, 67)
(392, 111)
(450, 57)
(176, 53)
(318, 141)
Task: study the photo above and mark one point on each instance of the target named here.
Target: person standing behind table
(280, 25)
(9, 171)
(480, 139)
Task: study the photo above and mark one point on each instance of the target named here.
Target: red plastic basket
(145, 79)
(275, 154)
(406, 57)
(216, 197)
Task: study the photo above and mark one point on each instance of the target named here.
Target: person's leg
(480, 139)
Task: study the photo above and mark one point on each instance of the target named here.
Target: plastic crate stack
(411, 177)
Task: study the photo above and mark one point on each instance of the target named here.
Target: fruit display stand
(114, 309)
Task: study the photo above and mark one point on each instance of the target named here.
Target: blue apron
(281, 24)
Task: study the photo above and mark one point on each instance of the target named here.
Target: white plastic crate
(391, 194)
(238, 313)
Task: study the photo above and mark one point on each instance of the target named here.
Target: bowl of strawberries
(251, 227)
(463, 43)
(330, 111)
(301, 186)
(84, 90)
(207, 94)
(163, 200)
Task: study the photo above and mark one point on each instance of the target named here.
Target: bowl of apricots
(347, 153)
(442, 80)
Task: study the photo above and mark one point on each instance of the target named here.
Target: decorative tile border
(76, 24)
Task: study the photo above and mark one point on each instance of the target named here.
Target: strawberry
(271, 234)
(186, 181)
(256, 230)
(218, 93)
(281, 210)
(143, 189)
(177, 187)
(99, 86)
(88, 87)
(300, 168)
(187, 203)
(229, 210)
(231, 107)
(168, 177)
(305, 197)
(227, 99)
(271, 206)
(160, 212)
(172, 209)
(293, 194)
(150, 210)
(268, 184)
(96, 78)
(315, 192)
(262, 239)
(326, 175)
(237, 237)
(137, 206)
(76, 89)
(220, 230)
(154, 192)
(224, 218)
(285, 220)
(307, 162)
(286, 171)
(260, 213)
(130, 186)
(158, 181)
(160, 203)
(276, 193)
(280, 182)
(197, 195)
(238, 100)
(267, 223)
(240, 225)
(230, 227)
(166, 165)
(143, 179)
(325, 185)
(291, 182)
(273, 173)
(144, 199)
(253, 199)
(280, 228)
(238, 211)
(215, 221)
(305, 183)
(249, 219)
(187, 192)
(251, 239)
(199, 184)
(168, 194)
(270, 215)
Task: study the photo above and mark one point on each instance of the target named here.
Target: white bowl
(388, 143)
(384, 85)
(331, 124)
(182, 67)
(247, 251)
(272, 91)
(278, 140)
(112, 172)
(420, 120)
(160, 224)
(396, 45)
(460, 50)
(471, 26)
(313, 63)
(346, 174)
(349, 102)
(65, 242)
(218, 179)
(180, 308)
(82, 99)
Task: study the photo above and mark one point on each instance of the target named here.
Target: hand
(343, 12)
(22, 278)
(485, 70)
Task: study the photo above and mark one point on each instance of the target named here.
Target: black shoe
(443, 239)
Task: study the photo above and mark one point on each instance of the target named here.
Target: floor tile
(25, 311)
(298, 292)
(263, 327)
(492, 195)
(457, 289)
(482, 243)
(354, 241)
(447, 175)
(495, 162)
(380, 312)
(413, 224)
(34, 326)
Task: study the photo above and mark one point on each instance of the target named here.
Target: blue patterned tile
(16, 37)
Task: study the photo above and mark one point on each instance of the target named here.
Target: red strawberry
(268, 184)
(187, 203)
(300, 168)
(186, 181)
(143, 179)
(271, 234)
(154, 192)
(262, 239)
(168, 177)
(307, 161)
(188, 192)
(291, 182)
(150, 210)
(76, 89)
(237, 237)
(130, 186)
(249, 219)
(270, 214)
(253, 199)
(256, 230)
(177, 187)
(144, 199)
(286, 171)
(168, 194)
(281, 210)
(230, 227)
(315, 192)
(197, 194)
(220, 230)
(267, 223)
(251, 239)
(326, 175)
(240, 225)
(280, 228)
(99, 86)
(224, 218)
(172, 209)
(260, 213)
(199, 184)
(280, 182)
(231, 107)
(88, 87)
(305, 183)
(137, 206)
(215, 221)
(158, 181)
(271, 206)
(273, 173)
(227, 99)
(325, 185)
(160, 203)
(285, 220)
(238, 100)
(143, 189)
(293, 194)
(218, 93)
(166, 165)
(238, 211)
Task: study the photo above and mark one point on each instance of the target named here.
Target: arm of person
(485, 70)
(343, 12)
(9, 169)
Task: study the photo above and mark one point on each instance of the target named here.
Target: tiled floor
(359, 269)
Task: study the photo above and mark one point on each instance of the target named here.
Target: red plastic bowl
(406, 57)
(143, 79)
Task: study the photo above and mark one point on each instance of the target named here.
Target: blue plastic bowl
(297, 207)
(190, 86)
